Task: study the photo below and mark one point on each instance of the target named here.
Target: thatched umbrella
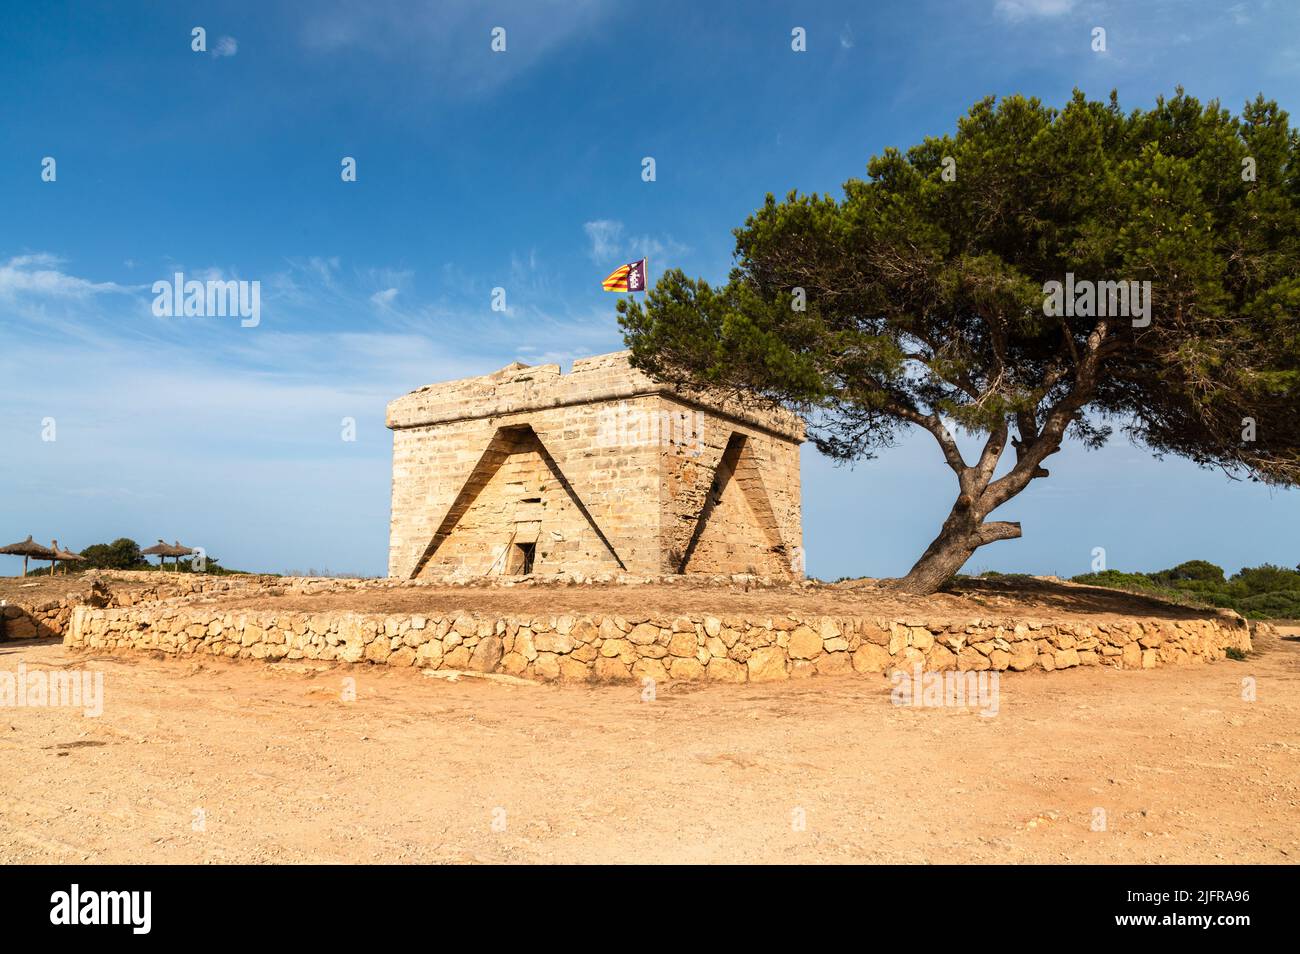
(67, 556)
(179, 550)
(27, 548)
(161, 550)
(164, 550)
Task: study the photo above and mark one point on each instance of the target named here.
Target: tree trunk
(940, 561)
(979, 494)
(962, 534)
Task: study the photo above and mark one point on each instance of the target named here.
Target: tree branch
(998, 530)
(931, 423)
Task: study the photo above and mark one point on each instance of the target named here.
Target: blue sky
(520, 170)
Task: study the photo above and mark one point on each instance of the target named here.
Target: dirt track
(414, 769)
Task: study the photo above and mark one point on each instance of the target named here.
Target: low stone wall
(27, 617)
(135, 587)
(609, 648)
(34, 621)
(41, 616)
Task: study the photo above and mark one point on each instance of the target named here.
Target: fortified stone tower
(601, 470)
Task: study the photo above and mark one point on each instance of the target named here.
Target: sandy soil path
(418, 769)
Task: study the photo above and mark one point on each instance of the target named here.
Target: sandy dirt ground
(1040, 598)
(1021, 597)
(277, 767)
(37, 589)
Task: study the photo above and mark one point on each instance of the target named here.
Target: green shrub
(1284, 604)
(1261, 592)
(1192, 571)
(1117, 580)
(122, 554)
(1267, 579)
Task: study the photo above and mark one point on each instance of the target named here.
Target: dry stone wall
(584, 648)
(35, 620)
(42, 615)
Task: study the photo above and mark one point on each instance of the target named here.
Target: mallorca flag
(627, 278)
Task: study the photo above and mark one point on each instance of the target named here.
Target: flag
(628, 278)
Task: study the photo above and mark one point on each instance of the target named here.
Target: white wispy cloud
(664, 251)
(225, 46)
(41, 275)
(604, 235)
(609, 241)
(1016, 10)
(450, 41)
(211, 412)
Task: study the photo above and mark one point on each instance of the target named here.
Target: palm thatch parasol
(164, 550)
(29, 549)
(159, 550)
(179, 550)
(67, 556)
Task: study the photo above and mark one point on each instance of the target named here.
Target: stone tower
(598, 471)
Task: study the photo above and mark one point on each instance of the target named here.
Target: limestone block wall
(583, 647)
(729, 498)
(600, 470)
(561, 467)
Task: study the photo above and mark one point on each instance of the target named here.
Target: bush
(1267, 579)
(1200, 571)
(1261, 592)
(1117, 580)
(1284, 604)
(122, 554)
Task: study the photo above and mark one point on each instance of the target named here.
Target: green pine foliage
(918, 297)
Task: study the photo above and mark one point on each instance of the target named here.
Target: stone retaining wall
(609, 648)
(33, 621)
(41, 616)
